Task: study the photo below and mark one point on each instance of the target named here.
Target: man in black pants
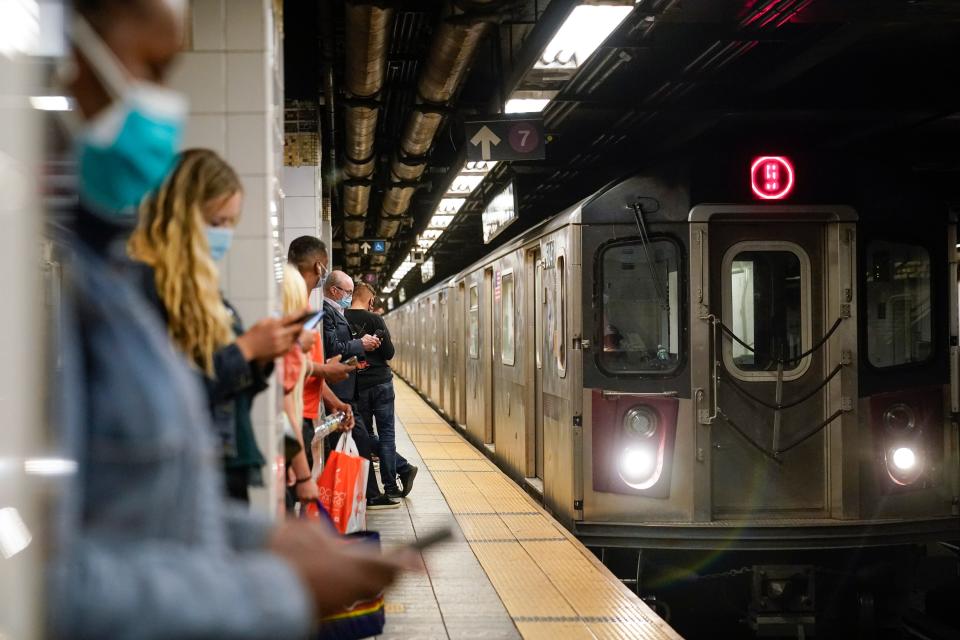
(338, 340)
(375, 394)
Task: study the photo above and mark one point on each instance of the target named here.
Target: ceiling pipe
(451, 53)
(367, 36)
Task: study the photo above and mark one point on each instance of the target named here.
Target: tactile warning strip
(550, 584)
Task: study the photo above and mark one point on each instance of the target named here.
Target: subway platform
(510, 571)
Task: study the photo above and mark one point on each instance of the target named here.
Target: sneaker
(394, 494)
(406, 480)
(381, 502)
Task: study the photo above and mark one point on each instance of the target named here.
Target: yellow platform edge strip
(560, 590)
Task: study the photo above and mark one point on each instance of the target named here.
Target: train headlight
(904, 458)
(904, 463)
(899, 417)
(637, 464)
(641, 421)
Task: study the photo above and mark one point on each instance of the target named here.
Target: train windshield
(899, 323)
(641, 307)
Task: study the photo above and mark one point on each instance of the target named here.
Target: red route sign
(771, 177)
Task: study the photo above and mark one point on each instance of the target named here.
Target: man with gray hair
(338, 340)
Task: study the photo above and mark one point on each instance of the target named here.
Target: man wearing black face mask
(144, 545)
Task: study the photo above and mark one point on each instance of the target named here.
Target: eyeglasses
(349, 291)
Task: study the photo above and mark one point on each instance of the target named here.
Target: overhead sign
(375, 245)
(500, 213)
(504, 138)
(771, 177)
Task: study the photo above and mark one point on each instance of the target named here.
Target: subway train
(739, 359)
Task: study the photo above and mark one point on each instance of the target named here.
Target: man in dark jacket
(375, 395)
(339, 340)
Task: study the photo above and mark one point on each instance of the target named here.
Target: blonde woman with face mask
(185, 227)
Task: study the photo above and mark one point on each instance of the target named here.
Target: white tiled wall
(233, 77)
(301, 207)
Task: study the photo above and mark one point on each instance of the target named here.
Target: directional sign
(379, 246)
(365, 247)
(505, 138)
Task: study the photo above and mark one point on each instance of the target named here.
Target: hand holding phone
(430, 539)
(351, 361)
(306, 315)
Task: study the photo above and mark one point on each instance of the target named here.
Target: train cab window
(641, 308)
(899, 322)
(766, 307)
(507, 327)
(474, 337)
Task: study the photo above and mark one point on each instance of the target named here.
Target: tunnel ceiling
(842, 73)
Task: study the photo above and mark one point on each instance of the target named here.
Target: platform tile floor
(510, 571)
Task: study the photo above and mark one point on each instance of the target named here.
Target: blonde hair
(294, 290)
(171, 238)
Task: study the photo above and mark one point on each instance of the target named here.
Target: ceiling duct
(367, 33)
(450, 56)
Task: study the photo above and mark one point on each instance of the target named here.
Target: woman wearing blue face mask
(185, 228)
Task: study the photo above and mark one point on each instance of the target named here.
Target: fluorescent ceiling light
(440, 222)
(432, 234)
(449, 206)
(481, 167)
(426, 243)
(463, 184)
(50, 103)
(585, 29)
(526, 105)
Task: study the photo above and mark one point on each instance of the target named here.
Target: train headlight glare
(637, 464)
(904, 458)
(899, 417)
(641, 421)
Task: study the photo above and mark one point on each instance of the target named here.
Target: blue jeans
(377, 402)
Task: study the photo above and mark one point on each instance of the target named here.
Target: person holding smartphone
(185, 229)
(339, 340)
(375, 395)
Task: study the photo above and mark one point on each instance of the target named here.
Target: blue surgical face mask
(345, 302)
(219, 239)
(126, 150)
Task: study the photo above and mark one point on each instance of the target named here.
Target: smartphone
(351, 362)
(313, 321)
(302, 318)
(432, 538)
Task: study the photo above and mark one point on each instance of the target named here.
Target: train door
(432, 353)
(475, 418)
(461, 339)
(443, 354)
(768, 295)
(489, 429)
(535, 359)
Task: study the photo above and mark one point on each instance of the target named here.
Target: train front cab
(800, 381)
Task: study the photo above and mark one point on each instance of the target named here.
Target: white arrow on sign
(365, 247)
(485, 137)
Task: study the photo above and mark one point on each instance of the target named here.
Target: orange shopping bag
(343, 486)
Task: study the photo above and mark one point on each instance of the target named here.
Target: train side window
(899, 322)
(474, 337)
(641, 307)
(507, 303)
(766, 306)
(557, 317)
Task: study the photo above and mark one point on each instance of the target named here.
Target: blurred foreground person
(185, 227)
(143, 546)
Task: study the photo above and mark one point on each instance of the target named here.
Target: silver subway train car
(684, 367)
